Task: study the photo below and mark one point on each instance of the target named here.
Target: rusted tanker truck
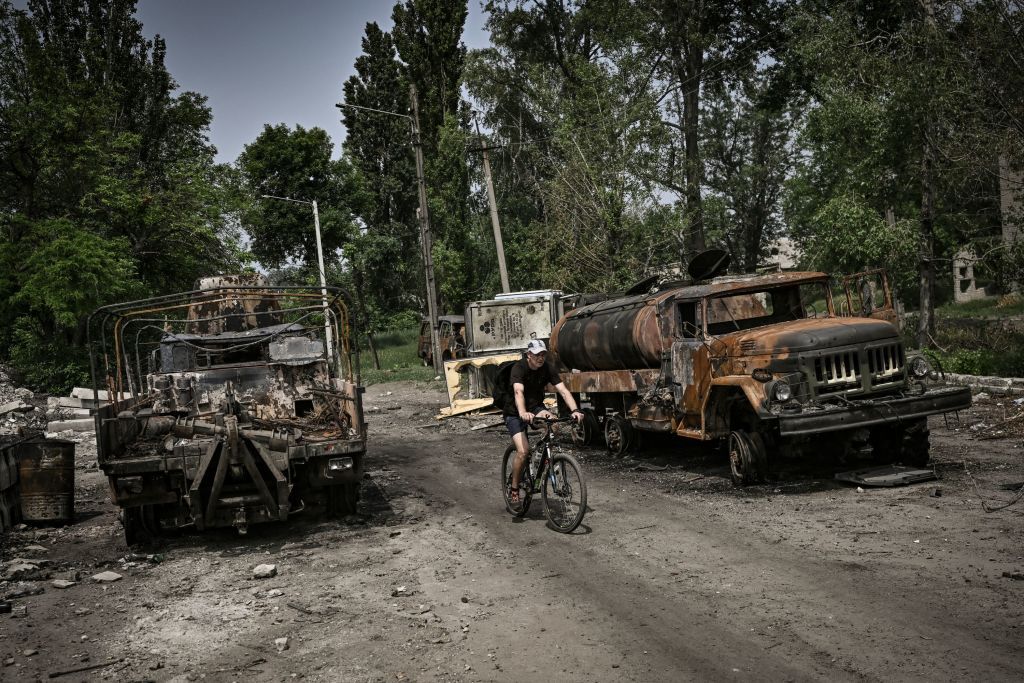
(239, 403)
(760, 363)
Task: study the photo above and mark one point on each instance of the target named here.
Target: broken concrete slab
(90, 395)
(14, 407)
(69, 413)
(79, 425)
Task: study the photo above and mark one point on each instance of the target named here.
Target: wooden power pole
(426, 242)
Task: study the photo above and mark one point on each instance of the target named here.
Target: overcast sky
(270, 61)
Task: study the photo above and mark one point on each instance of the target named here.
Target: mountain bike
(557, 477)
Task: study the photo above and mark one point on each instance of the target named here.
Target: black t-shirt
(533, 382)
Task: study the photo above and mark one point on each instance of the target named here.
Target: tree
(569, 92)
(902, 124)
(386, 258)
(108, 187)
(701, 41)
(295, 164)
(428, 39)
(748, 152)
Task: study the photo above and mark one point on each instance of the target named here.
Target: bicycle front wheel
(506, 483)
(564, 493)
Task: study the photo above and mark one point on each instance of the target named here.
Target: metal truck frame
(233, 404)
(759, 362)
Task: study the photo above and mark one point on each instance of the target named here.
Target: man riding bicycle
(529, 377)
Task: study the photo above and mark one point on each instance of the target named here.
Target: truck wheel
(747, 458)
(140, 525)
(916, 445)
(585, 433)
(342, 499)
(618, 434)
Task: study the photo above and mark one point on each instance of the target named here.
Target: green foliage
(108, 187)
(985, 362)
(849, 236)
(71, 271)
(45, 361)
(296, 165)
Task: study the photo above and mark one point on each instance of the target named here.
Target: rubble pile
(18, 412)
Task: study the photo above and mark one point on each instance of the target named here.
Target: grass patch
(396, 350)
(984, 308)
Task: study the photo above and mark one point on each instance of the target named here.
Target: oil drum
(46, 468)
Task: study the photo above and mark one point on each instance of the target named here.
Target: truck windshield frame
(736, 311)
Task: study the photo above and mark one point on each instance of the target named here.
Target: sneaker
(515, 500)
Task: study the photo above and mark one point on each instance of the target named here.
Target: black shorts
(516, 425)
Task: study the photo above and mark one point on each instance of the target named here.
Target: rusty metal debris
(892, 475)
(237, 412)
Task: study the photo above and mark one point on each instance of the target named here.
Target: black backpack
(502, 392)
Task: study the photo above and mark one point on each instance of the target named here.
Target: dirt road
(673, 576)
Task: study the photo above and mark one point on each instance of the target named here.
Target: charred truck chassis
(239, 412)
(760, 363)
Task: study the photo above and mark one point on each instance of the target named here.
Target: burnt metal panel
(608, 380)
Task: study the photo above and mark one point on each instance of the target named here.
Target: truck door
(689, 365)
(868, 295)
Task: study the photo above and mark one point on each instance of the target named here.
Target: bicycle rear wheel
(564, 493)
(506, 483)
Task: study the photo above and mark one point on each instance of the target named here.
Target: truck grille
(841, 371)
(837, 370)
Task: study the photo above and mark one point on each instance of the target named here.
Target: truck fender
(722, 397)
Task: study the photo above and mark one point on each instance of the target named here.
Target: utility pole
(426, 242)
(493, 203)
(328, 337)
(323, 287)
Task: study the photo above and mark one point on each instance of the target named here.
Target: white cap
(536, 346)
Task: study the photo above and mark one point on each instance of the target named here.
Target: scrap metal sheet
(470, 382)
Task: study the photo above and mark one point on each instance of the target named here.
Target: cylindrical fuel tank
(617, 334)
(46, 468)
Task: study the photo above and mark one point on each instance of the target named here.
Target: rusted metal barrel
(611, 335)
(46, 468)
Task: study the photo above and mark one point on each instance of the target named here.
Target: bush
(45, 364)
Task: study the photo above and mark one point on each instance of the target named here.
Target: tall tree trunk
(691, 78)
(926, 238)
(926, 251)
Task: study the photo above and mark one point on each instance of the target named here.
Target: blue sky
(265, 61)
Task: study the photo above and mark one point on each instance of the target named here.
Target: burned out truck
(233, 404)
(759, 363)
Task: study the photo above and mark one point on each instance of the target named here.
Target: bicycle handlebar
(538, 421)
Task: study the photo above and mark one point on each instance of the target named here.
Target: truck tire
(141, 526)
(585, 433)
(618, 434)
(747, 458)
(342, 499)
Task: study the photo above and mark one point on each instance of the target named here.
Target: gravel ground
(674, 574)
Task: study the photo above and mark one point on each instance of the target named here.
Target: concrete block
(69, 413)
(80, 425)
(88, 394)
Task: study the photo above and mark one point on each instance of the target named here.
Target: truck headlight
(781, 391)
(340, 464)
(919, 367)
